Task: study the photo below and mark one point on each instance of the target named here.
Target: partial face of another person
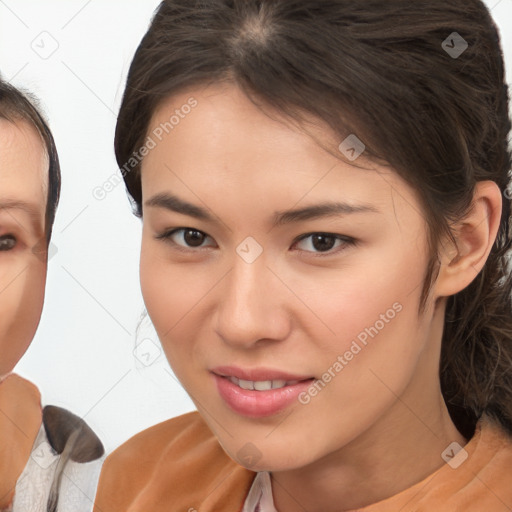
(23, 196)
(244, 295)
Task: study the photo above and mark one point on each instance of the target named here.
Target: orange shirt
(178, 465)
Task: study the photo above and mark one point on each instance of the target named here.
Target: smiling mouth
(269, 393)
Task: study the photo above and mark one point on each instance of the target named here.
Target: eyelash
(348, 241)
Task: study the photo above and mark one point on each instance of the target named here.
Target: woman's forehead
(226, 142)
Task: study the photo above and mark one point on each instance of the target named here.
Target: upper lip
(257, 374)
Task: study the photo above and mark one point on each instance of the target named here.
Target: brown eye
(193, 238)
(328, 243)
(184, 237)
(7, 242)
(323, 242)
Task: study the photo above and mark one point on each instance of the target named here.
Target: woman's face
(23, 189)
(245, 293)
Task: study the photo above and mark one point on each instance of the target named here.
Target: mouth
(260, 392)
(262, 385)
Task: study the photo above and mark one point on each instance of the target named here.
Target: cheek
(170, 292)
(365, 302)
(168, 298)
(164, 287)
(378, 334)
(21, 304)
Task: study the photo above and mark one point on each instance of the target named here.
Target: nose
(252, 305)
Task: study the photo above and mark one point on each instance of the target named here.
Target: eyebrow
(327, 209)
(24, 206)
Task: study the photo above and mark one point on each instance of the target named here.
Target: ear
(475, 236)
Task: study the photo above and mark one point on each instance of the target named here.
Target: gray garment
(78, 486)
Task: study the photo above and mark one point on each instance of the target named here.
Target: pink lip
(258, 404)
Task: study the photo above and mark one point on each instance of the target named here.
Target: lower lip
(258, 404)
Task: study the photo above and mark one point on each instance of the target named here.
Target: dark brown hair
(16, 106)
(381, 69)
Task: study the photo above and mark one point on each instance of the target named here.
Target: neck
(399, 451)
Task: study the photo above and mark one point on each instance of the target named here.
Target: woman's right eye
(190, 238)
(7, 242)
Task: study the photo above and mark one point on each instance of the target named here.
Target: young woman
(323, 190)
(35, 445)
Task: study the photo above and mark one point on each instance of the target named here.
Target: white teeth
(246, 384)
(261, 385)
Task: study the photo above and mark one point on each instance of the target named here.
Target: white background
(83, 356)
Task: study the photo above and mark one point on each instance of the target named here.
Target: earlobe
(475, 236)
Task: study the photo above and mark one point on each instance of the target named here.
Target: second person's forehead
(24, 171)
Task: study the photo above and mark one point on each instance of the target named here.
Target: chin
(251, 458)
(275, 465)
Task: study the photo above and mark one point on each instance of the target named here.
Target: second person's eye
(7, 242)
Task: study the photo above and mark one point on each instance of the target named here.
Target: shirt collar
(260, 498)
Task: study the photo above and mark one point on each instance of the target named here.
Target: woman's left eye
(191, 238)
(325, 242)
